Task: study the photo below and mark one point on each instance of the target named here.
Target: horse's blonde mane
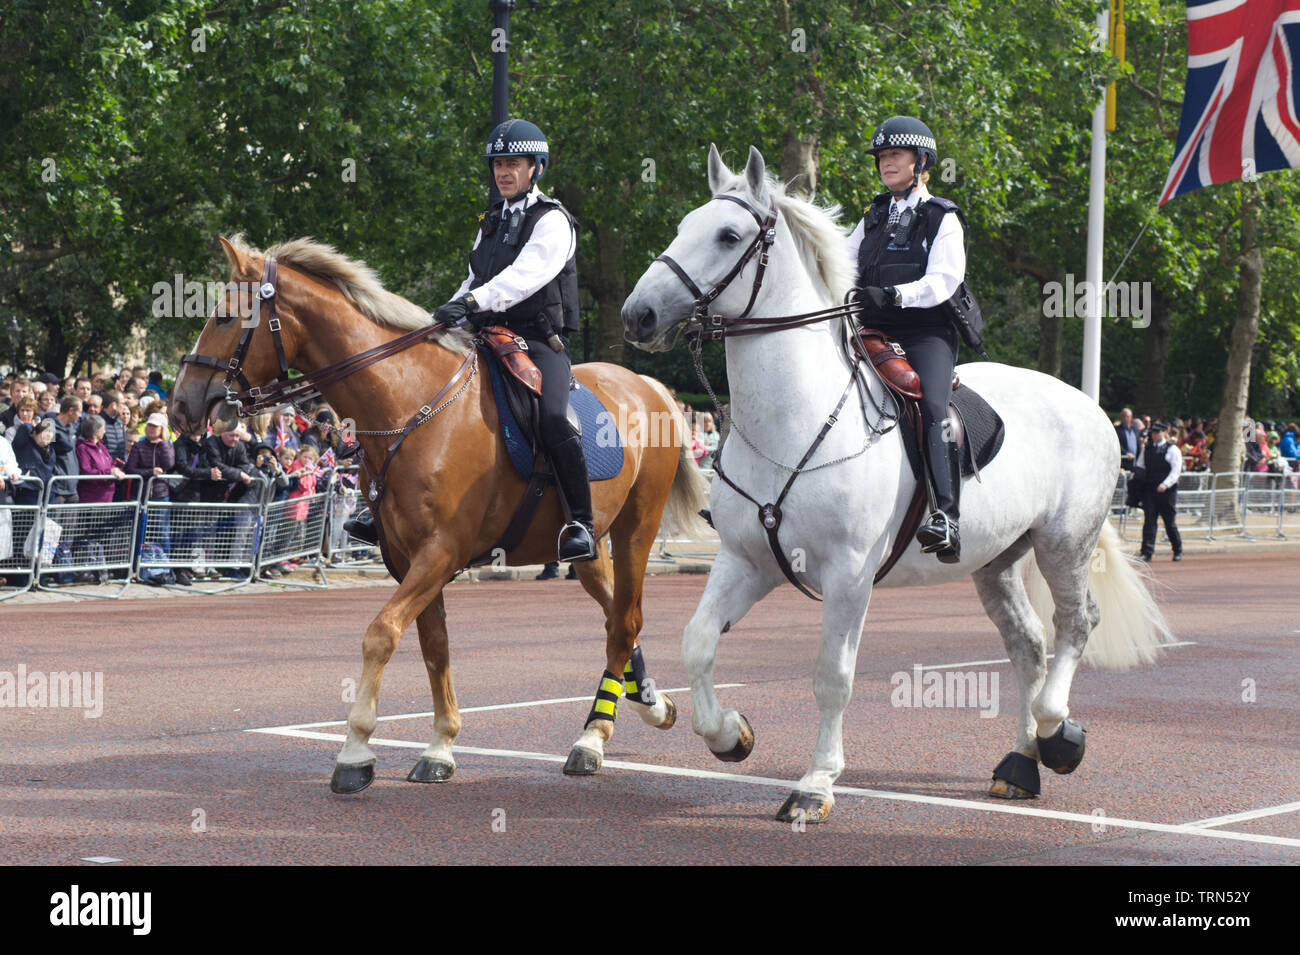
(357, 281)
(817, 235)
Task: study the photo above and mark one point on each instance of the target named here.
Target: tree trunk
(799, 164)
(1051, 333)
(1155, 354)
(1229, 444)
(608, 285)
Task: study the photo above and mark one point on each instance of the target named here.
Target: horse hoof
(744, 744)
(351, 779)
(1005, 790)
(582, 762)
(1016, 777)
(1062, 752)
(804, 807)
(670, 716)
(430, 771)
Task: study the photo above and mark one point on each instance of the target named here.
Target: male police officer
(911, 259)
(523, 275)
(1163, 462)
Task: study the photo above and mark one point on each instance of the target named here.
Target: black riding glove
(457, 312)
(877, 298)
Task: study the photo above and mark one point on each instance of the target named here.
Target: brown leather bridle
(285, 390)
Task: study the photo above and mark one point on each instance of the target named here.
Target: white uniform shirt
(1174, 458)
(947, 263)
(552, 243)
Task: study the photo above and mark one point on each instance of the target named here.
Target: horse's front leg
(436, 763)
(843, 615)
(734, 586)
(355, 769)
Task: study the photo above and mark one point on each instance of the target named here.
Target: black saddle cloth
(979, 432)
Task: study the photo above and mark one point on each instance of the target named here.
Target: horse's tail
(1132, 628)
(690, 490)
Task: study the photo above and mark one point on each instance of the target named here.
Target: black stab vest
(1157, 468)
(886, 259)
(552, 308)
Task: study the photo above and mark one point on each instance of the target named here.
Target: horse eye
(728, 237)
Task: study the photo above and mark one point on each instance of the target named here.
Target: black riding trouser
(554, 409)
(1160, 507)
(932, 352)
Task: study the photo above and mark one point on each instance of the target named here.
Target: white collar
(917, 195)
(530, 197)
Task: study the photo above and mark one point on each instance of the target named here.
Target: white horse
(1044, 499)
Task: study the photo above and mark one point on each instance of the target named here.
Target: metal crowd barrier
(83, 538)
(294, 530)
(208, 539)
(20, 540)
(346, 501)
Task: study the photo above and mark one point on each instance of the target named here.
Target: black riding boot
(362, 527)
(938, 535)
(577, 538)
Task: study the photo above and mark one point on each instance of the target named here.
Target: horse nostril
(647, 323)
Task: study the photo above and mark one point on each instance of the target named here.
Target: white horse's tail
(1132, 628)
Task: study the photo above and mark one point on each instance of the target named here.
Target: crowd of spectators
(1273, 448)
(118, 427)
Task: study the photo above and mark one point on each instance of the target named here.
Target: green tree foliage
(131, 134)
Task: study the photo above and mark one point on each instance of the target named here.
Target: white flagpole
(1091, 378)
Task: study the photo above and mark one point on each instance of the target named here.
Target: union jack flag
(1239, 107)
(327, 459)
(281, 438)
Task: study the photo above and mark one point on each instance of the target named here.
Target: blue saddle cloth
(601, 442)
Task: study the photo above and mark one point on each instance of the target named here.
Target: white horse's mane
(817, 233)
(353, 278)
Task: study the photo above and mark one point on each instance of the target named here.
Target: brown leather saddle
(512, 352)
(890, 361)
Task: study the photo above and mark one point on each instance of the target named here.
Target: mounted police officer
(523, 275)
(911, 258)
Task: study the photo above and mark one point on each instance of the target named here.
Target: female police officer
(523, 275)
(911, 258)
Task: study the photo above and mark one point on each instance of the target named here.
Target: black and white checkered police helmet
(518, 137)
(906, 132)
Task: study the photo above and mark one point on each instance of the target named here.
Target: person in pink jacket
(94, 458)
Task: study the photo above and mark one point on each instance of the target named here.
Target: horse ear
(756, 175)
(719, 174)
(238, 261)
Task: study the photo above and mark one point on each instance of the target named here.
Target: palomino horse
(1044, 498)
(455, 491)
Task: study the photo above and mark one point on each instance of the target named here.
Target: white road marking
(479, 709)
(984, 663)
(1188, 829)
(1252, 814)
(99, 859)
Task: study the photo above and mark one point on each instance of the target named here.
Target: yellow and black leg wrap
(605, 706)
(639, 687)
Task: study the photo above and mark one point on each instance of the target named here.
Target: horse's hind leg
(436, 763)
(1001, 588)
(617, 585)
(1065, 563)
